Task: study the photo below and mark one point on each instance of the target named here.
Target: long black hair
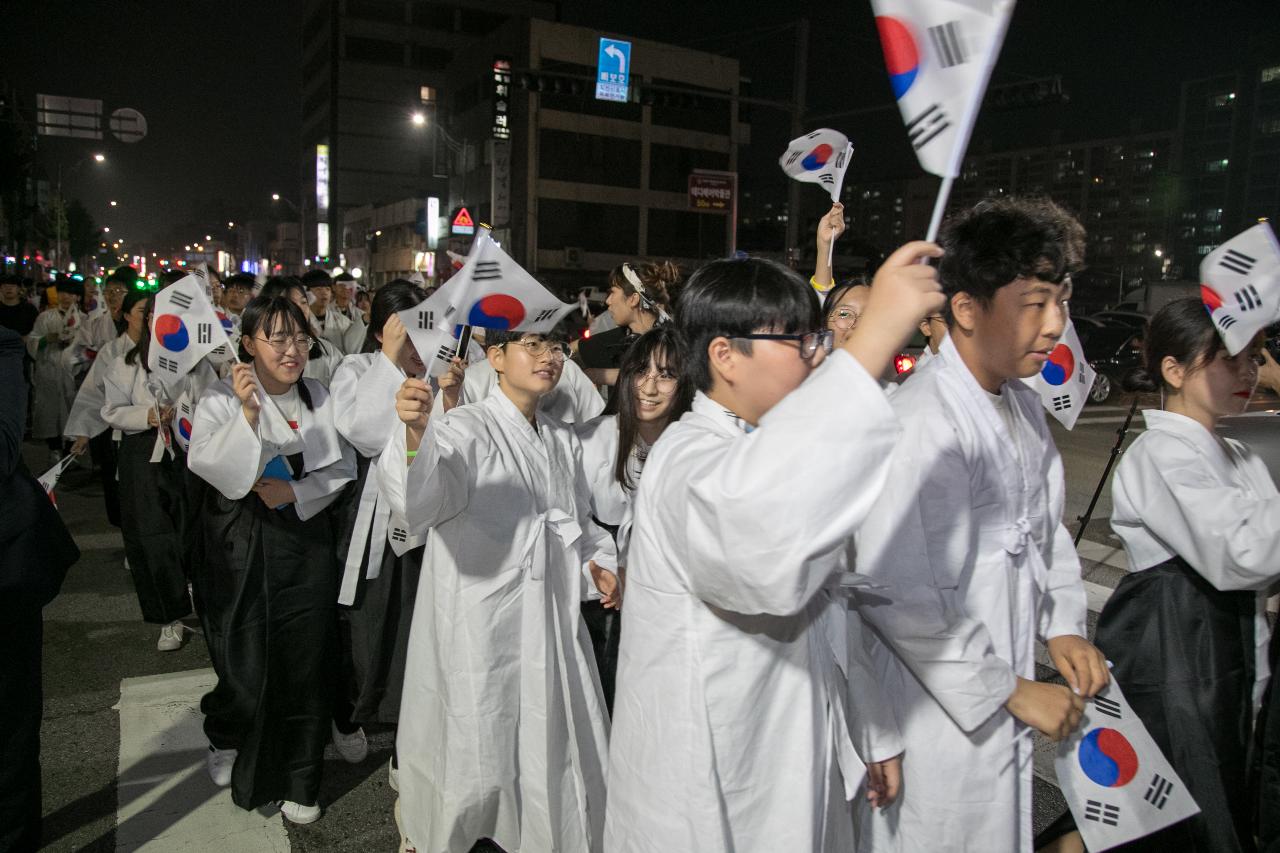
(1181, 329)
(270, 314)
(139, 353)
(392, 298)
(662, 346)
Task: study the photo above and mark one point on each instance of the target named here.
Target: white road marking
(1136, 426)
(165, 800)
(1111, 555)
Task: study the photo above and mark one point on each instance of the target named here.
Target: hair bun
(1139, 380)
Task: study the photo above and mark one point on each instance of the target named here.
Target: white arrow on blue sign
(613, 70)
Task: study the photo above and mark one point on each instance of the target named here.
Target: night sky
(219, 83)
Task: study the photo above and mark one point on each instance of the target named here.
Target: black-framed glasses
(809, 341)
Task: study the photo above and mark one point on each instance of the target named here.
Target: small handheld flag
(1241, 286)
(49, 479)
(940, 54)
(184, 329)
(1065, 380)
(821, 157)
(1118, 784)
(492, 291)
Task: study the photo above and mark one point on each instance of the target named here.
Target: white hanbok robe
(974, 513)
(1179, 492)
(364, 394)
(85, 418)
(94, 334)
(334, 327)
(574, 400)
(51, 378)
(730, 726)
(502, 731)
(321, 368)
(610, 502)
(353, 338)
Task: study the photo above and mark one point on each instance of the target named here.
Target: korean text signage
(613, 70)
(501, 97)
(712, 192)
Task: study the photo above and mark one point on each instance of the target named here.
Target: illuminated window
(1270, 75)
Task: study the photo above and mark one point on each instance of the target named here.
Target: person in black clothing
(16, 312)
(35, 553)
(640, 297)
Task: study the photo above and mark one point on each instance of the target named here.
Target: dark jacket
(35, 548)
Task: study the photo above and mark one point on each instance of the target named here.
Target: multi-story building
(1229, 126)
(368, 65)
(575, 185)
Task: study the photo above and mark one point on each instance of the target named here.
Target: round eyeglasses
(809, 342)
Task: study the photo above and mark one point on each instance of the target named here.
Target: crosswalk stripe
(165, 801)
(1136, 426)
(1098, 552)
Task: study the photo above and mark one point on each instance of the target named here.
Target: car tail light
(903, 363)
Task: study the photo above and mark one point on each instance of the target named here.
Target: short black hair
(390, 299)
(998, 241)
(737, 297)
(1182, 329)
(280, 285)
(500, 337)
(126, 275)
(12, 279)
(316, 278)
(240, 279)
(173, 276)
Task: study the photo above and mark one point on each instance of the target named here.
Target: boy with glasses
(507, 740)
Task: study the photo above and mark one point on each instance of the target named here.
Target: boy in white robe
(730, 724)
(973, 510)
(503, 733)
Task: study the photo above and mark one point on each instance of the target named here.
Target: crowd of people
(833, 586)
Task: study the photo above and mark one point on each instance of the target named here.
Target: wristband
(821, 288)
(411, 453)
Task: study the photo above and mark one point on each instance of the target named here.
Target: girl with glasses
(323, 357)
(651, 394)
(264, 441)
(150, 471)
(507, 740)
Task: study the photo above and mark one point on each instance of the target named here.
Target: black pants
(21, 643)
(102, 450)
(151, 515)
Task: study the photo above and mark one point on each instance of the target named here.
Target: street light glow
(101, 158)
(419, 118)
(231, 225)
(114, 203)
(275, 196)
(106, 230)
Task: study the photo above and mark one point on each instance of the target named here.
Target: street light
(419, 118)
(101, 158)
(275, 196)
(114, 203)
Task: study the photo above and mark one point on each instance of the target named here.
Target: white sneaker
(219, 763)
(171, 637)
(353, 748)
(393, 775)
(298, 813)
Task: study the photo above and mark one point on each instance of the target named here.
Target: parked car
(1135, 320)
(1113, 348)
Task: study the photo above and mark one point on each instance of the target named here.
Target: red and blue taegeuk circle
(901, 55)
(1212, 301)
(184, 428)
(1060, 366)
(496, 311)
(817, 158)
(227, 323)
(1107, 757)
(171, 332)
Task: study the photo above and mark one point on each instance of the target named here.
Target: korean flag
(1241, 286)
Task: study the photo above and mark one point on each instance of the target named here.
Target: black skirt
(268, 584)
(376, 630)
(151, 510)
(1184, 657)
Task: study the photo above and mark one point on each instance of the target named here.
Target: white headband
(633, 279)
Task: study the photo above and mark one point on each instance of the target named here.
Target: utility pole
(799, 78)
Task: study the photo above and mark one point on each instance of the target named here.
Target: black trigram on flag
(1107, 706)
(398, 534)
(1062, 403)
(827, 179)
(426, 319)
(180, 300)
(168, 364)
(947, 44)
(487, 271)
(1247, 298)
(1158, 793)
(446, 353)
(795, 155)
(1226, 321)
(1237, 262)
(1102, 812)
(204, 333)
(545, 315)
(925, 127)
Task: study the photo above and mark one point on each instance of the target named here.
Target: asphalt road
(108, 748)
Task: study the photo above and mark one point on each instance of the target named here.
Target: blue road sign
(613, 69)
